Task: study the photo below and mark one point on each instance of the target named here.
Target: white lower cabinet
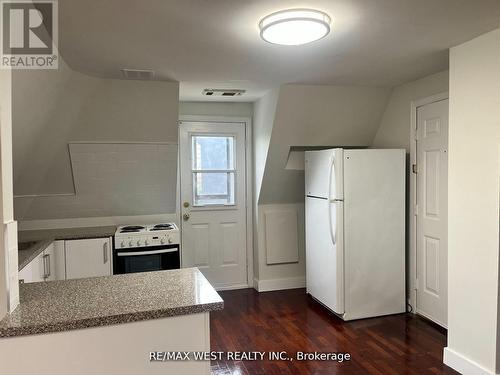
(88, 258)
(34, 271)
(72, 259)
(59, 262)
(48, 265)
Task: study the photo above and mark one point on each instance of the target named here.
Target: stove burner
(131, 229)
(162, 227)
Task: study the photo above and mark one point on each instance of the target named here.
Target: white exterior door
(432, 208)
(213, 201)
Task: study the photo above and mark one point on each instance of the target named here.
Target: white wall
(264, 114)
(394, 129)
(473, 201)
(290, 273)
(263, 121)
(316, 115)
(5, 120)
(236, 109)
(9, 286)
(301, 115)
(54, 108)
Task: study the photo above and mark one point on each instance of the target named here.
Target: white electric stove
(142, 248)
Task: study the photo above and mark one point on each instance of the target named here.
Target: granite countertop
(43, 238)
(75, 304)
(66, 233)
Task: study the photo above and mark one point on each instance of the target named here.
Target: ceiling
(216, 43)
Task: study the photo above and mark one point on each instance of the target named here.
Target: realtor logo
(29, 34)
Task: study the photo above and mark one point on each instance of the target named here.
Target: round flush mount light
(294, 27)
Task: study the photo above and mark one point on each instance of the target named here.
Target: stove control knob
(130, 243)
(146, 242)
(122, 244)
(162, 241)
(139, 243)
(169, 240)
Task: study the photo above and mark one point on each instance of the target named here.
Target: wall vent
(142, 74)
(223, 92)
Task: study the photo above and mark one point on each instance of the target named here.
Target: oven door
(155, 258)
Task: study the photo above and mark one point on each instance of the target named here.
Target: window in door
(213, 169)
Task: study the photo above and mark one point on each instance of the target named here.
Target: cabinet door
(59, 261)
(88, 258)
(26, 274)
(34, 271)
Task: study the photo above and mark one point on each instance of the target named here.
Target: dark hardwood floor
(291, 321)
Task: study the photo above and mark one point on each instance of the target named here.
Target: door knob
(186, 217)
(186, 204)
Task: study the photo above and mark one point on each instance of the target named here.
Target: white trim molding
(279, 284)
(415, 104)
(462, 364)
(232, 287)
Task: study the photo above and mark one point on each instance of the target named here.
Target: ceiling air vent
(223, 92)
(142, 74)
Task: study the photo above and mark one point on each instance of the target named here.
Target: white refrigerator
(355, 230)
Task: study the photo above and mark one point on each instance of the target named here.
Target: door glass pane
(213, 170)
(213, 152)
(213, 188)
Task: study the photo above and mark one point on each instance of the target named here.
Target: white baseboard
(279, 284)
(232, 287)
(462, 364)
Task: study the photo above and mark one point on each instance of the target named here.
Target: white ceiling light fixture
(294, 27)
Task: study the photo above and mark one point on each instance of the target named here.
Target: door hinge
(414, 168)
(415, 287)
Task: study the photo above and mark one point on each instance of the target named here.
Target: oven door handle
(150, 252)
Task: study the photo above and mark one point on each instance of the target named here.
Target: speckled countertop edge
(66, 233)
(107, 321)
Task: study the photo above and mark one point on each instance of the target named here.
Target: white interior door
(213, 201)
(432, 210)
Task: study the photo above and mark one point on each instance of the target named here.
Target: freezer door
(324, 252)
(323, 173)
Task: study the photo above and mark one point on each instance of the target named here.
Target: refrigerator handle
(333, 232)
(332, 171)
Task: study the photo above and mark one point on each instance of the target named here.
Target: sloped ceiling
(314, 115)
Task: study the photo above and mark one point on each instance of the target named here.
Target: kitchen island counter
(82, 303)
